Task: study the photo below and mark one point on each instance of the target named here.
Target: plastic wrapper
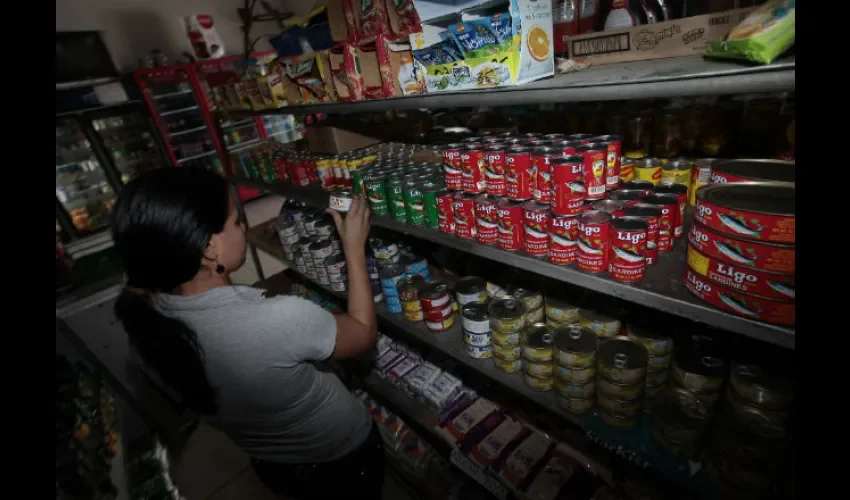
(559, 469)
(473, 415)
(395, 375)
(488, 450)
(416, 382)
(521, 463)
(765, 34)
(444, 389)
(387, 361)
(382, 345)
(457, 405)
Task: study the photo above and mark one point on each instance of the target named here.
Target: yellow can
(538, 384)
(700, 176)
(540, 370)
(507, 365)
(627, 169)
(603, 326)
(411, 306)
(414, 316)
(677, 171)
(506, 339)
(560, 311)
(506, 352)
(648, 169)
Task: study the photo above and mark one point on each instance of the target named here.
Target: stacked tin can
(575, 367)
(699, 370)
(507, 318)
(533, 301)
(559, 312)
(660, 349)
(386, 257)
(620, 379)
(288, 235)
(602, 325)
(438, 307)
(475, 322)
(337, 271)
(408, 287)
(537, 345)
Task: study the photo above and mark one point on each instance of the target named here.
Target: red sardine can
(281, 169)
(445, 212)
(652, 215)
(563, 239)
(472, 169)
(612, 159)
(518, 173)
(613, 207)
(541, 159)
(669, 206)
(594, 241)
(495, 170)
(451, 166)
(627, 261)
(298, 172)
(582, 138)
(566, 146)
(536, 228)
(594, 169)
(511, 220)
(463, 207)
(486, 219)
(645, 187)
(568, 189)
(681, 193)
(627, 197)
(312, 173)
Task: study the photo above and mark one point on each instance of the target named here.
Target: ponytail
(170, 349)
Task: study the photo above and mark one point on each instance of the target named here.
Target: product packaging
(204, 40)
(764, 35)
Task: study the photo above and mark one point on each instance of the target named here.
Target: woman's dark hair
(161, 224)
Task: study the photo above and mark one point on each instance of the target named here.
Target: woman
(241, 361)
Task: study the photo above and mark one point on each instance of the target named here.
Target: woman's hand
(354, 229)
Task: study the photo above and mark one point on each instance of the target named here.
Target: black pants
(360, 474)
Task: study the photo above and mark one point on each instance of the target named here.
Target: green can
(429, 198)
(357, 180)
(395, 197)
(376, 192)
(414, 203)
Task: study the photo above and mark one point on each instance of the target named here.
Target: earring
(219, 269)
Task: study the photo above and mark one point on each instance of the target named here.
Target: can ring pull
(712, 362)
(575, 334)
(547, 338)
(620, 360)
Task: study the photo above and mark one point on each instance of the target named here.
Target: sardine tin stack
(741, 244)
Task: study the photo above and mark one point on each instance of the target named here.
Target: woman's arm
(355, 331)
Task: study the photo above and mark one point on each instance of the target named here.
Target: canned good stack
(660, 349)
(533, 302)
(679, 419)
(741, 251)
(475, 322)
(621, 379)
(337, 271)
(699, 373)
(575, 367)
(602, 325)
(288, 235)
(407, 193)
(507, 318)
(390, 277)
(559, 312)
(438, 307)
(408, 293)
(537, 345)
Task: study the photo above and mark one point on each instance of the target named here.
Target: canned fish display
(568, 189)
(761, 388)
(617, 406)
(445, 211)
(595, 161)
(762, 211)
(452, 166)
(625, 392)
(677, 171)
(740, 278)
(434, 295)
(560, 311)
(412, 315)
(602, 325)
(768, 257)
(537, 343)
(563, 239)
(581, 391)
(471, 289)
(576, 406)
(594, 240)
(622, 361)
(463, 207)
(475, 319)
(656, 344)
(701, 375)
(538, 384)
(746, 411)
(656, 363)
(540, 370)
(506, 365)
(627, 261)
(408, 287)
(627, 169)
(669, 206)
(495, 170)
(612, 161)
(506, 351)
(575, 375)
(575, 347)
(679, 419)
(441, 326)
(511, 225)
(507, 317)
(740, 304)
(728, 171)
(648, 169)
(486, 219)
(536, 228)
(700, 176)
(541, 160)
(479, 352)
(519, 174)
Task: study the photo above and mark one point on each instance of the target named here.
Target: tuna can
(655, 378)
(656, 344)
(538, 384)
(681, 193)
(337, 245)
(441, 326)
(622, 361)
(320, 250)
(435, 295)
(412, 315)
(652, 215)
(744, 409)
(531, 300)
(595, 160)
(535, 316)
(678, 417)
(539, 370)
(512, 338)
(648, 169)
(495, 171)
(541, 160)
(507, 365)
(464, 216)
(510, 216)
(698, 374)
(593, 241)
(321, 272)
(656, 363)
(414, 204)
(568, 190)
(768, 391)
(286, 227)
(472, 166)
(415, 266)
(477, 339)
(451, 166)
(627, 197)
(700, 176)
(575, 347)
(575, 375)
(475, 318)
(445, 211)
(471, 289)
(627, 169)
(627, 262)
(560, 311)
(536, 228)
(389, 280)
(519, 173)
(763, 211)
(432, 211)
(338, 286)
(440, 313)
(340, 200)
(395, 198)
(603, 326)
(625, 392)
(576, 406)
(384, 251)
(323, 228)
(479, 352)
(335, 263)
(677, 171)
(506, 316)
(563, 239)
(486, 219)
(506, 351)
(537, 343)
(581, 391)
(376, 193)
(617, 406)
(669, 206)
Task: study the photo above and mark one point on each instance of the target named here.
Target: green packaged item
(765, 34)
(395, 195)
(476, 38)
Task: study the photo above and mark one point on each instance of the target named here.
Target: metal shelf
(178, 111)
(661, 289)
(450, 343)
(188, 131)
(171, 94)
(659, 78)
(195, 157)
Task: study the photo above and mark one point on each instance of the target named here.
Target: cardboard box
(399, 74)
(334, 140)
(323, 62)
(680, 37)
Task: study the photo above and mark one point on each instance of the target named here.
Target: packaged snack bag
(765, 34)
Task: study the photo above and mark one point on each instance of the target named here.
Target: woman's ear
(210, 257)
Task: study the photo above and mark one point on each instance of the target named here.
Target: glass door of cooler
(130, 141)
(83, 187)
(179, 114)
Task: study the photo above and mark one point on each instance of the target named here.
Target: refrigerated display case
(129, 140)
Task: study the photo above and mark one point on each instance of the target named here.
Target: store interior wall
(132, 28)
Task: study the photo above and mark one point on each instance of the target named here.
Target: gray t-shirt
(273, 402)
